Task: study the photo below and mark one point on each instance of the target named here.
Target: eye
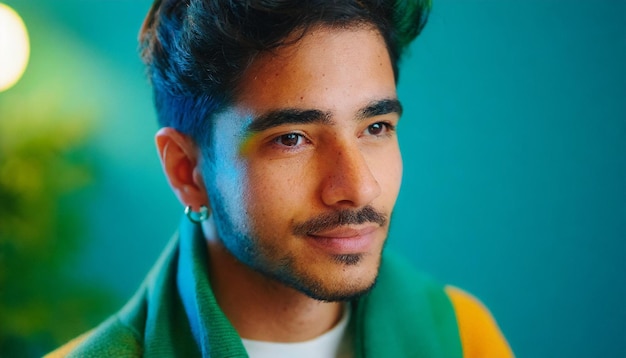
(378, 128)
(289, 139)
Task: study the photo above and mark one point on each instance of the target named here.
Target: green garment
(175, 314)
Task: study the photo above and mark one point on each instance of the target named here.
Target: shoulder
(119, 336)
(111, 339)
(122, 335)
(480, 334)
(68, 347)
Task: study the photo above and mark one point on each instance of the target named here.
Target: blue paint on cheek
(226, 177)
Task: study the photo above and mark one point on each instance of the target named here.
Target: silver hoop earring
(197, 217)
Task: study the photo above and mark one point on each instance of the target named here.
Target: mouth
(345, 232)
(345, 239)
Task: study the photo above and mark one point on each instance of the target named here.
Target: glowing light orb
(14, 47)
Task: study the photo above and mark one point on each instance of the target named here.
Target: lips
(345, 240)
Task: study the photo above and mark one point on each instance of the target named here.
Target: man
(279, 137)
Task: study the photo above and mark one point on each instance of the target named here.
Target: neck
(261, 308)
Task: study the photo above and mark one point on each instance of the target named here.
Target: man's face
(305, 168)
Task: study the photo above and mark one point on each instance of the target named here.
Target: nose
(348, 181)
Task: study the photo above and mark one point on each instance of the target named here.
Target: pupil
(290, 139)
(375, 128)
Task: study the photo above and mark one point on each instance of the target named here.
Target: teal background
(514, 142)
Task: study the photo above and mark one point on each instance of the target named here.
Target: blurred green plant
(46, 170)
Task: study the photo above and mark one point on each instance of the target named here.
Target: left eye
(376, 128)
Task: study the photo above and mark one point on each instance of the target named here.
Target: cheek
(399, 169)
(280, 192)
(389, 174)
(276, 191)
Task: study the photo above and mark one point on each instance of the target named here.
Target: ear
(180, 158)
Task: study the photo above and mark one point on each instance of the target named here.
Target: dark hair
(196, 50)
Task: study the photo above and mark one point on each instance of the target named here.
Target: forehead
(329, 69)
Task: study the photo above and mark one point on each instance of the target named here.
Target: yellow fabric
(480, 334)
(68, 347)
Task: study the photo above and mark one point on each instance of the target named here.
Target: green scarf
(175, 314)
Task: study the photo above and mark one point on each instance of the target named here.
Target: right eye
(289, 140)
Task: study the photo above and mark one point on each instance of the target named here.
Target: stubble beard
(288, 274)
(348, 259)
(285, 268)
(273, 263)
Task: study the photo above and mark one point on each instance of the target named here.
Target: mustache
(340, 218)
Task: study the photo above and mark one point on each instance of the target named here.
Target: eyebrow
(288, 116)
(279, 117)
(380, 108)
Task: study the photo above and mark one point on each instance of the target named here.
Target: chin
(348, 277)
(345, 294)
